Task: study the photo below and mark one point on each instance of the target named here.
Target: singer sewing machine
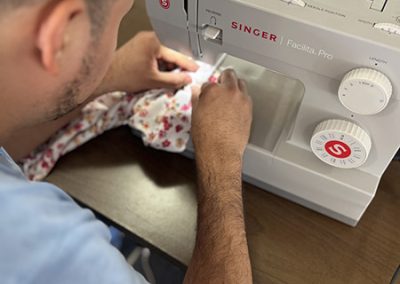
(324, 77)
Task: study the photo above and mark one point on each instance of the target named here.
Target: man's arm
(221, 126)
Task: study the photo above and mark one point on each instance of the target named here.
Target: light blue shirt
(45, 237)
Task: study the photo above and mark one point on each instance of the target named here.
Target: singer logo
(338, 149)
(165, 4)
(256, 32)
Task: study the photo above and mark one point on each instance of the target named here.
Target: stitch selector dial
(365, 91)
(341, 144)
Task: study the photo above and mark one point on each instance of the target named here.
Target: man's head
(53, 54)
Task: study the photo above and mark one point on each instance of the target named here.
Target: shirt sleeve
(45, 237)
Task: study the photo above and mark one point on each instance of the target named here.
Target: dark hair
(96, 8)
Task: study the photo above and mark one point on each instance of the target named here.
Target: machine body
(324, 77)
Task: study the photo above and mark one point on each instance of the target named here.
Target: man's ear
(52, 34)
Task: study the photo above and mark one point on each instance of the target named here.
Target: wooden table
(152, 195)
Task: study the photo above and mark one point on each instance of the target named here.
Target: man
(55, 56)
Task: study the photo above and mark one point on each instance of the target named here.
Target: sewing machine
(324, 80)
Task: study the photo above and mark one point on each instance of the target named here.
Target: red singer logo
(165, 4)
(338, 149)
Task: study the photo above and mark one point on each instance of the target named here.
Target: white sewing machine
(325, 89)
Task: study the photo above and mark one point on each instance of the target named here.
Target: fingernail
(188, 79)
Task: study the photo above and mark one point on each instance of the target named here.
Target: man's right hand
(222, 116)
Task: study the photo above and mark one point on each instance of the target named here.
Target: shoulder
(45, 237)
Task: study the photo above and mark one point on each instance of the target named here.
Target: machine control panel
(341, 144)
(380, 14)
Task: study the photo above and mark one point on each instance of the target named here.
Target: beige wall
(134, 22)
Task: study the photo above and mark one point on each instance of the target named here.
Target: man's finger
(206, 86)
(229, 79)
(173, 80)
(243, 86)
(179, 59)
(196, 91)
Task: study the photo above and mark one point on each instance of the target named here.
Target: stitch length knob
(341, 144)
(365, 91)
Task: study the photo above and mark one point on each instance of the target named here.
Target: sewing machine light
(365, 91)
(341, 144)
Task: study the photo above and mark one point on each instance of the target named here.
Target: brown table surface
(152, 195)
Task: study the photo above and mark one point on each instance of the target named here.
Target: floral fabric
(161, 116)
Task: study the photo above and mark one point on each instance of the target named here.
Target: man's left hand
(135, 67)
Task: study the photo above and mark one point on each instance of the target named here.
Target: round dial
(341, 144)
(365, 91)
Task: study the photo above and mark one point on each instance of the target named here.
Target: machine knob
(365, 91)
(341, 144)
(299, 3)
(388, 27)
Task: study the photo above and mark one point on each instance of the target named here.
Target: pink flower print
(185, 119)
(170, 94)
(45, 165)
(186, 107)
(49, 153)
(60, 146)
(166, 143)
(167, 124)
(78, 126)
(143, 113)
(178, 128)
(162, 134)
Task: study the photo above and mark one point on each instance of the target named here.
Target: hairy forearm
(221, 252)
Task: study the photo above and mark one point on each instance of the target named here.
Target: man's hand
(222, 116)
(135, 67)
(220, 130)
